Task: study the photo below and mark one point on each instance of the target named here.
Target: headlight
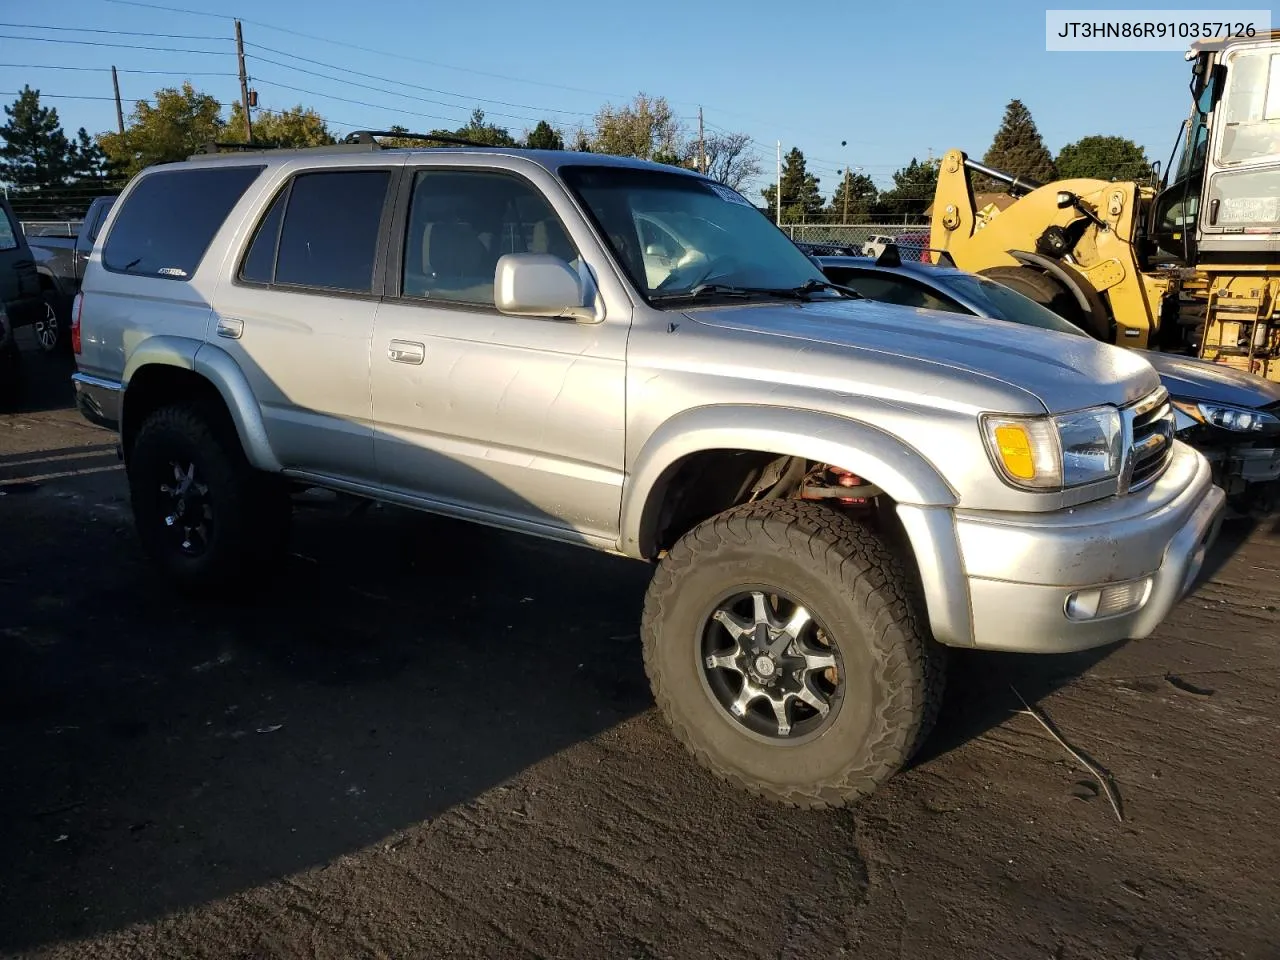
(1237, 419)
(1051, 453)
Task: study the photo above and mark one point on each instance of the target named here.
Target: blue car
(1232, 417)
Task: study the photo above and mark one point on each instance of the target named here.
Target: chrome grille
(1149, 430)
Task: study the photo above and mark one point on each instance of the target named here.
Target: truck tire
(1046, 291)
(204, 515)
(50, 334)
(874, 677)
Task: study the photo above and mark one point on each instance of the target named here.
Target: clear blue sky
(894, 80)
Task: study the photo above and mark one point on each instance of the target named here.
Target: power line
(370, 76)
(360, 103)
(355, 46)
(352, 83)
(118, 46)
(122, 33)
(167, 73)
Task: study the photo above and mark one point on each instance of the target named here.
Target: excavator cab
(1221, 200)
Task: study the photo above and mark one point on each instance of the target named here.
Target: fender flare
(54, 280)
(1097, 317)
(881, 458)
(219, 369)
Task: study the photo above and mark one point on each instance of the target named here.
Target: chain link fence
(910, 238)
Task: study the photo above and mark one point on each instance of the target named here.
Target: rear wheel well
(157, 385)
(703, 484)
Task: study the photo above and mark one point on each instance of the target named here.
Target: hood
(1188, 378)
(1064, 372)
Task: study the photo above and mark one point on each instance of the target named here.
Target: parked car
(60, 261)
(830, 489)
(913, 245)
(1230, 416)
(20, 294)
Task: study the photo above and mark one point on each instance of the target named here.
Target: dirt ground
(433, 740)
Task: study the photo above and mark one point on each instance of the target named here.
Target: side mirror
(1066, 199)
(540, 285)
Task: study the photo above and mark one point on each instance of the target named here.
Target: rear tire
(49, 330)
(881, 691)
(1046, 291)
(204, 515)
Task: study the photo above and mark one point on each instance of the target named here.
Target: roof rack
(366, 136)
(216, 149)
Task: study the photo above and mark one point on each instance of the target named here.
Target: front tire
(1048, 292)
(784, 645)
(204, 515)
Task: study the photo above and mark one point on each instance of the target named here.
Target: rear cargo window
(170, 218)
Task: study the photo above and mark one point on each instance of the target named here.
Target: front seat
(457, 263)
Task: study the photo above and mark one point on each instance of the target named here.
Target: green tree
(180, 123)
(801, 199)
(861, 193)
(1018, 148)
(544, 137)
(299, 127)
(1103, 158)
(36, 152)
(912, 191)
(646, 127)
(479, 131)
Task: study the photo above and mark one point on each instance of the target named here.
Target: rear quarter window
(169, 219)
(8, 231)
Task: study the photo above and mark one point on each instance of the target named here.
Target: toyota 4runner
(831, 490)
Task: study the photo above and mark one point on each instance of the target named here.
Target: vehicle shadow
(43, 379)
(160, 754)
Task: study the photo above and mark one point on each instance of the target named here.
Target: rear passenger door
(297, 316)
(515, 417)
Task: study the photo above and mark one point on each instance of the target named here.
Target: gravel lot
(434, 740)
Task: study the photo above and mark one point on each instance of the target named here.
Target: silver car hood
(1064, 372)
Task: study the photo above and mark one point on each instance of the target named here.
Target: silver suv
(831, 490)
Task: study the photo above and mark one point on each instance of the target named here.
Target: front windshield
(1196, 135)
(675, 233)
(1001, 303)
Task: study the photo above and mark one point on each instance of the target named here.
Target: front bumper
(1022, 569)
(98, 400)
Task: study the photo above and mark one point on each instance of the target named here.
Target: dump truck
(1188, 262)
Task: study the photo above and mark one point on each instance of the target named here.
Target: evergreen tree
(912, 191)
(861, 194)
(801, 199)
(36, 152)
(1018, 149)
(544, 137)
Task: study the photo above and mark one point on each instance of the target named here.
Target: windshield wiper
(801, 292)
(708, 290)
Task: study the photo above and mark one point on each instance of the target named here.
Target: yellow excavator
(1188, 263)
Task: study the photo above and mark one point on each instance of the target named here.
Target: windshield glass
(1250, 111)
(1195, 136)
(673, 233)
(1005, 304)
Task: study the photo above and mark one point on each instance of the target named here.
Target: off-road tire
(870, 603)
(1046, 291)
(251, 509)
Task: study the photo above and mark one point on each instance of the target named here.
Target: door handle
(230, 328)
(406, 351)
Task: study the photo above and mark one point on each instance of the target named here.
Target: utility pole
(702, 145)
(844, 219)
(244, 86)
(115, 83)
(779, 197)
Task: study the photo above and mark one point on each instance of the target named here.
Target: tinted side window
(462, 221)
(169, 219)
(330, 234)
(260, 263)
